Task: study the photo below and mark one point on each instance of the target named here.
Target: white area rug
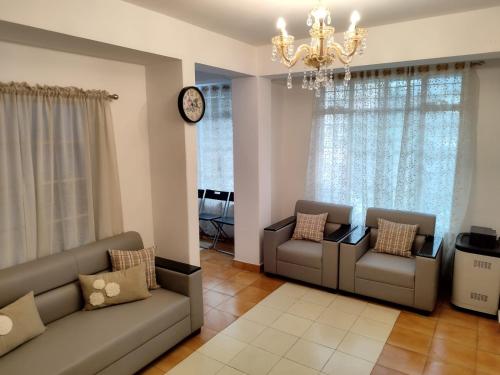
(297, 330)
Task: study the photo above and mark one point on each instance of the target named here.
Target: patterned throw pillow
(395, 238)
(310, 227)
(19, 322)
(123, 259)
(113, 288)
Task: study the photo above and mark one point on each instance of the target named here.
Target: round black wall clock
(191, 104)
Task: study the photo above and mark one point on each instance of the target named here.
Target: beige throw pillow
(395, 238)
(113, 288)
(123, 259)
(19, 322)
(310, 227)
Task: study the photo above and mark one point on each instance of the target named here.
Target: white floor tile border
(297, 330)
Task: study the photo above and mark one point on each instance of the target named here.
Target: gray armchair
(308, 261)
(407, 281)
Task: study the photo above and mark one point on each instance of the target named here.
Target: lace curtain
(396, 141)
(58, 173)
(215, 145)
(215, 140)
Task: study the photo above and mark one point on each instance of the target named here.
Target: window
(59, 180)
(391, 141)
(215, 140)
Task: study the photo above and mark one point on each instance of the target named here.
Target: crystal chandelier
(322, 51)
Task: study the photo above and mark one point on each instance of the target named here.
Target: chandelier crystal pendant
(322, 52)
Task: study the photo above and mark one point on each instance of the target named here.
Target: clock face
(191, 104)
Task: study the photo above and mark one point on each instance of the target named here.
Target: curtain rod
(113, 96)
(411, 69)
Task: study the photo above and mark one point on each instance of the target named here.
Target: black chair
(216, 196)
(225, 219)
(201, 195)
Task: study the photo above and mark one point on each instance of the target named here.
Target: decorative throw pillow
(123, 259)
(395, 238)
(19, 322)
(310, 227)
(113, 288)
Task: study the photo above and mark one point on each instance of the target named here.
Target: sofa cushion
(114, 288)
(395, 238)
(310, 227)
(304, 253)
(386, 268)
(19, 322)
(85, 342)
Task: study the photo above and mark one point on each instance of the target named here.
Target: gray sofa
(114, 340)
(406, 281)
(312, 262)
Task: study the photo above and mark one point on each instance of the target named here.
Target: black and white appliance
(476, 275)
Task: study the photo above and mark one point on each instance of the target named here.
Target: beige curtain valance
(23, 88)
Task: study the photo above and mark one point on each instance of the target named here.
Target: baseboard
(248, 266)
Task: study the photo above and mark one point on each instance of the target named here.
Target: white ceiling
(253, 21)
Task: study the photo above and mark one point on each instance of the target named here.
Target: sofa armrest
(340, 233)
(184, 279)
(281, 224)
(278, 234)
(352, 247)
(432, 247)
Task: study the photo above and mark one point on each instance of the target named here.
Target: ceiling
(253, 21)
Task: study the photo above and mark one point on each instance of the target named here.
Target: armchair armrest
(340, 233)
(432, 246)
(281, 224)
(352, 247)
(184, 279)
(356, 236)
(274, 236)
(427, 268)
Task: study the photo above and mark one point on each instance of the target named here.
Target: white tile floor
(297, 330)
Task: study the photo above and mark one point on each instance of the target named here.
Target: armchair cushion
(386, 268)
(418, 242)
(310, 227)
(304, 253)
(395, 238)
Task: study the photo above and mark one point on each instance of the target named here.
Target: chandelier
(323, 50)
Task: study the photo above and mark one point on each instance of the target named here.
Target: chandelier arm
(291, 62)
(342, 55)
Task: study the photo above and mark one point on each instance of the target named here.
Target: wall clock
(191, 104)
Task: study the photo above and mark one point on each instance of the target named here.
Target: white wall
(251, 98)
(484, 206)
(43, 66)
(127, 25)
(291, 126)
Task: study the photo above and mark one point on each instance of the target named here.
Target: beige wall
(42, 66)
(291, 126)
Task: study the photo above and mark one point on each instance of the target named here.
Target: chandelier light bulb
(355, 17)
(320, 14)
(281, 24)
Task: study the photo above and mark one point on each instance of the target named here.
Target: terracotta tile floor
(446, 342)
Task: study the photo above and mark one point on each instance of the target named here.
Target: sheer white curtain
(396, 141)
(58, 174)
(215, 140)
(215, 147)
